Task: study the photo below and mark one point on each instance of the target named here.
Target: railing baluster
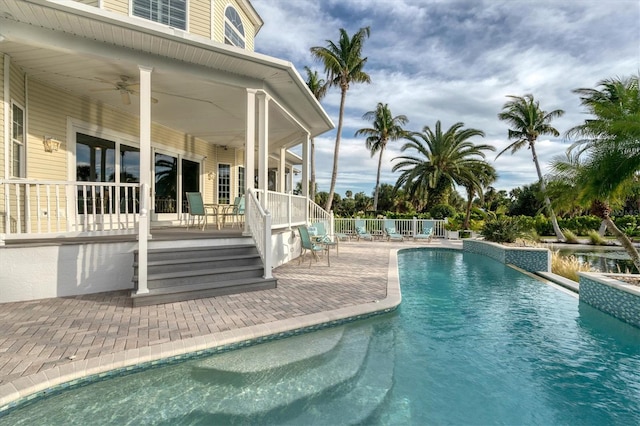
(7, 214)
(93, 207)
(48, 195)
(18, 212)
(58, 225)
(85, 210)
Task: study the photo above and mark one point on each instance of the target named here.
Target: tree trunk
(336, 151)
(375, 193)
(624, 240)
(547, 201)
(467, 217)
(603, 228)
(312, 190)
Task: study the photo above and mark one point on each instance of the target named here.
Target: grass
(596, 239)
(570, 237)
(568, 266)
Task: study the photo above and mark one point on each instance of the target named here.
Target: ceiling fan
(125, 87)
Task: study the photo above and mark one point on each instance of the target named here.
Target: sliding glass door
(173, 177)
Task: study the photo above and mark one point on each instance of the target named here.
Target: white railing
(45, 207)
(406, 227)
(259, 225)
(287, 210)
(318, 214)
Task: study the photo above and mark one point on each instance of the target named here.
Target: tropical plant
(528, 121)
(611, 143)
(504, 229)
(385, 128)
(596, 239)
(343, 63)
(481, 176)
(318, 87)
(568, 266)
(442, 159)
(570, 236)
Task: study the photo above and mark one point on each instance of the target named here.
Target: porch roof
(200, 84)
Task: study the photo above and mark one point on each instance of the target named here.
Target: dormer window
(169, 12)
(233, 29)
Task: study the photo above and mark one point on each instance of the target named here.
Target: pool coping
(25, 389)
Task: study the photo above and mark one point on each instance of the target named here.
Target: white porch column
(263, 146)
(250, 147)
(282, 168)
(145, 176)
(306, 148)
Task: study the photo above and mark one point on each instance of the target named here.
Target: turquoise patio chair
(306, 245)
(425, 234)
(235, 212)
(318, 233)
(361, 230)
(390, 231)
(199, 211)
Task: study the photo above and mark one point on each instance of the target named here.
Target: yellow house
(111, 111)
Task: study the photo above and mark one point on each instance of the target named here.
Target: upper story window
(18, 141)
(168, 12)
(233, 29)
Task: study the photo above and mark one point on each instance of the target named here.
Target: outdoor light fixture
(51, 144)
(211, 176)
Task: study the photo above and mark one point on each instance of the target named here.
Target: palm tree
(318, 87)
(528, 122)
(343, 64)
(611, 142)
(385, 128)
(479, 176)
(441, 160)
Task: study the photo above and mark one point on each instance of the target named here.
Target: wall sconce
(211, 175)
(50, 144)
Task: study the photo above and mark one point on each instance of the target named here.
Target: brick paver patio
(39, 335)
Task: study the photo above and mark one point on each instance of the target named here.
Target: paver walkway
(43, 334)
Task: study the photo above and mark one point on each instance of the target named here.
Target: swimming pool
(474, 342)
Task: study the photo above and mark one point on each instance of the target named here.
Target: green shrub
(504, 229)
(569, 237)
(596, 238)
(440, 211)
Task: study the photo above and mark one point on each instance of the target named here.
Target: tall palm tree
(441, 160)
(318, 87)
(343, 63)
(528, 122)
(611, 142)
(480, 175)
(385, 128)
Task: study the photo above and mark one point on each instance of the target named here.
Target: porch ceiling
(200, 85)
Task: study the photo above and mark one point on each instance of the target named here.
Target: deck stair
(183, 273)
(335, 376)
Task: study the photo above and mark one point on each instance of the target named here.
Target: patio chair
(361, 231)
(320, 235)
(198, 210)
(425, 234)
(390, 231)
(307, 245)
(234, 211)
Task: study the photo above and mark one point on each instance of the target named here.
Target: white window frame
(186, 15)
(234, 28)
(219, 183)
(22, 144)
(242, 181)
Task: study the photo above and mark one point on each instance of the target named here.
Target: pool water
(473, 343)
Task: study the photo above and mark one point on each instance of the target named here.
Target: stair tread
(199, 272)
(200, 248)
(284, 388)
(203, 286)
(260, 358)
(201, 259)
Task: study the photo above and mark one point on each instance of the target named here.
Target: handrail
(259, 226)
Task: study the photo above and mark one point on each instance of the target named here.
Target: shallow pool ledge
(531, 259)
(73, 373)
(615, 297)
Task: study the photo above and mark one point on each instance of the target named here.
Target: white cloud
(456, 61)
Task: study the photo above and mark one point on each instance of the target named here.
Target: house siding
(219, 6)
(200, 17)
(120, 6)
(94, 3)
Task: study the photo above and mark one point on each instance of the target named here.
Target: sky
(456, 61)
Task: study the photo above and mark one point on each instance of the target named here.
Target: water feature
(474, 342)
(602, 259)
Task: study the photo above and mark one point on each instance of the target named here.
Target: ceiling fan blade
(135, 92)
(103, 90)
(125, 97)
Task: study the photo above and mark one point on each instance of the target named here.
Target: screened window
(233, 29)
(224, 183)
(18, 139)
(242, 185)
(168, 12)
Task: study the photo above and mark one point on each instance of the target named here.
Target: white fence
(406, 227)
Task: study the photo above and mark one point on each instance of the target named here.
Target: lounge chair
(320, 235)
(307, 245)
(361, 231)
(390, 231)
(198, 210)
(425, 234)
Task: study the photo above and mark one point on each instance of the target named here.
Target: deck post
(263, 147)
(145, 176)
(268, 253)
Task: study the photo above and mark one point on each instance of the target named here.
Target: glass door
(174, 176)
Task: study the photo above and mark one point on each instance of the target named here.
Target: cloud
(455, 61)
